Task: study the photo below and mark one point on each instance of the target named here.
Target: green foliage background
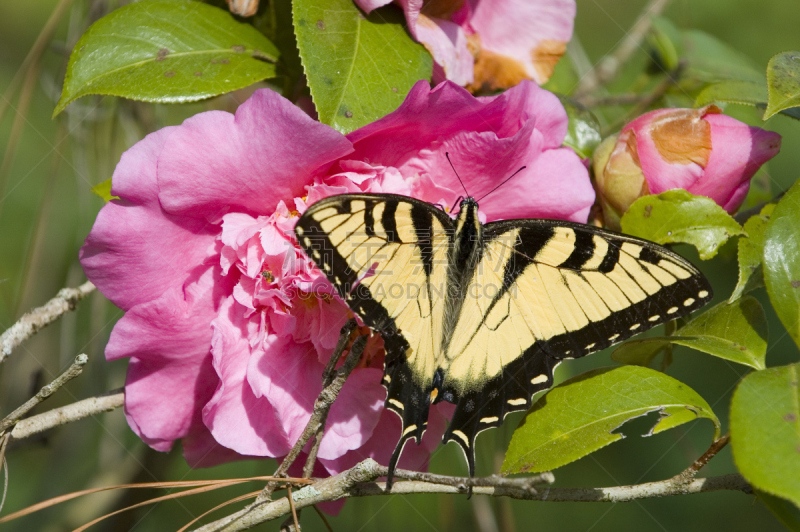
(47, 208)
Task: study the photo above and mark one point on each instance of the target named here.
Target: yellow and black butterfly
(480, 315)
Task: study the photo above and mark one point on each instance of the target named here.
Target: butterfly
(479, 315)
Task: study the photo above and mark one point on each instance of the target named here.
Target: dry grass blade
(244, 497)
(206, 485)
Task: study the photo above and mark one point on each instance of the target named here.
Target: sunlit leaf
(167, 51)
(765, 430)
(781, 260)
(580, 415)
(676, 216)
(104, 190)
(751, 248)
(783, 80)
(359, 67)
(734, 331)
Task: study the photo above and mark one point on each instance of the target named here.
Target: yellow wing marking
(558, 248)
(600, 251)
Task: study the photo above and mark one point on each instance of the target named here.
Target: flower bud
(699, 150)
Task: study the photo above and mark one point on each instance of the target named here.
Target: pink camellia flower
(699, 150)
(493, 43)
(227, 324)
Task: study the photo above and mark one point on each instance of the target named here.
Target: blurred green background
(46, 209)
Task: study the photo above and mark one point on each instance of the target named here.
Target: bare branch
(31, 322)
(73, 371)
(690, 472)
(66, 414)
(327, 378)
(609, 66)
(323, 403)
(359, 482)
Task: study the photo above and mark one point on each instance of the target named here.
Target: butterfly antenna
(447, 154)
(503, 183)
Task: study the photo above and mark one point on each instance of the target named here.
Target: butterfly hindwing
(480, 315)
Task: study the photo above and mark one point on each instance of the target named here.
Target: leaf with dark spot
(168, 51)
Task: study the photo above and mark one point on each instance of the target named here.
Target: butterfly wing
(544, 291)
(387, 257)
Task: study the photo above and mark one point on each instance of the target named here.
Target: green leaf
(733, 91)
(782, 260)
(579, 416)
(168, 51)
(104, 190)
(359, 68)
(786, 512)
(708, 59)
(765, 430)
(665, 40)
(783, 80)
(711, 59)
(751, 249)
(676, 216)
(583, 132)
(734, 331)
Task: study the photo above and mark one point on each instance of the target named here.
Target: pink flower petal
(533, 33)
(236, 417)
(385, 437)
(201, 449)
(170, 376)
(289, 375)
(369, 5)
(216, 163)
(555, 186)
(427, 117)
(447, 43)
(135, 251)
(737, 152)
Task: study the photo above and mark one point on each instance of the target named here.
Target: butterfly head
(468, 216)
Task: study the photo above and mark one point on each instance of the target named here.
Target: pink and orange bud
(699, 150)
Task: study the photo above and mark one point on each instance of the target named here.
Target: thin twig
(359, 482)
(463, 483)
(608, 67)
(4, 466)
(31, 322)
(294, 511)
(73, 371)
(66, 414)
(327, 377)
(344, 336)
(690, 472)
(321, 406)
